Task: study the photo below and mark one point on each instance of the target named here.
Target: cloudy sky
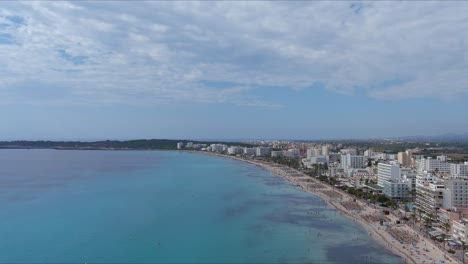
(308, 70)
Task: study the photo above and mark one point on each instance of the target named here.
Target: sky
(232, 70)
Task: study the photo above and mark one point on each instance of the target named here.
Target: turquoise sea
(165, 206)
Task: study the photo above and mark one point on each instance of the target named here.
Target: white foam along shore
(358, 211)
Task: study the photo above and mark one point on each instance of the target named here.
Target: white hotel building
(349, 161)
(394, 185)
(459, 230)
(456, 194)
(459, 169)
(434, 165)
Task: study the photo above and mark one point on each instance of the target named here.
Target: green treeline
(166, 144)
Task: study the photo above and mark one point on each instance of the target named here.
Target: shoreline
(378, 233)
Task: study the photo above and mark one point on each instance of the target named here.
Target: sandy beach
(397, 238)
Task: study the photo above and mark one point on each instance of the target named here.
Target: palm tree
(443, 239)
(406, 209)
(420, 213)
(413, 195)
(428, 222)
(463, 251)
(413, 216)
(447, 228)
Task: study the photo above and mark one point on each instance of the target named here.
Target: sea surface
(165, 206)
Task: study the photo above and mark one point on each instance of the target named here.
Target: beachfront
(398, 238)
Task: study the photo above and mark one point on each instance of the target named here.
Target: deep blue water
(157, 206)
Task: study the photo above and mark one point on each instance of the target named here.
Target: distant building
(218, 147)
(456, 194)
(404, 158)
(313, 152)
(333, 169)
(180, 145)
(234, 150)
(277, 154)
(409, 174)
(250, 151)
(293, 153)
(319, 159)
(263, 151)
(368, 153)
(429, 193)
(459, 169)
(309, 153)
(325, 150)
(349, 161)
(433, 165)
(334, 157)
(460, 230)
(442, 158)
(352, 152)
(189, 144)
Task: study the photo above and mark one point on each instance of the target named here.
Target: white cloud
(163, 52)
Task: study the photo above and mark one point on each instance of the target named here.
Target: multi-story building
(369, 153)
(325, 150)
(409, 174)
(319, 159)
(333, 169)
(250, 151)
(433, 165)
(456, 194)
(349, 161)
(387, 172)
(218, 147)
(277, 154)
(234, 150)
(429, 193)
(263, 151)
(189, 144)
(394, 185)
(334, 157)
(442, 158)
(459, 230)
(459, 169)
(180, 145)
(293, 153)
(404, 158)
(349, 151)
(313, 152)
(397, 189)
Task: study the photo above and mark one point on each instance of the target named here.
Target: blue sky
(234, 70)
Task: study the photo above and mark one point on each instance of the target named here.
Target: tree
(463, 251)
(413, 195)
(420, 213)
(413, 216)
(428, 221)
(447, 228)
(406, 209)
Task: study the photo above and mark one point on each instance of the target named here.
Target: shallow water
(163, 206)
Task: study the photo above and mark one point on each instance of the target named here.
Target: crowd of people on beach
(316, 186)
(332, 194)
(402, 236)
(374, 218)
(351, 205)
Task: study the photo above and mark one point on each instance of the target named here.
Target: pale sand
(407, 251)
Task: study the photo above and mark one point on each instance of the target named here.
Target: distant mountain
(442, 137)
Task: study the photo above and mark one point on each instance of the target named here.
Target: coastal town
(416, 205)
